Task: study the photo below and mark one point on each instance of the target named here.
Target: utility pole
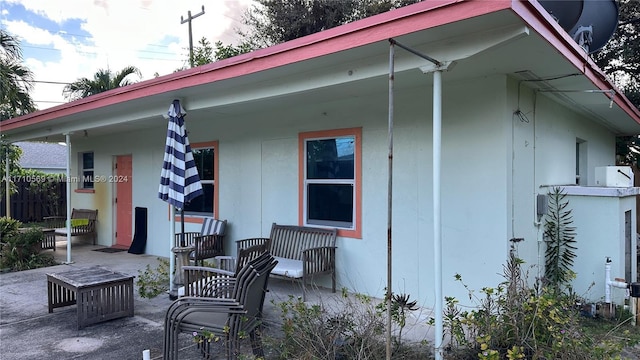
(188, 20)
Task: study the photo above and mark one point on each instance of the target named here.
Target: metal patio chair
(207, 243)
(226, 318)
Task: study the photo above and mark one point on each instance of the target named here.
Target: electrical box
(614, 176)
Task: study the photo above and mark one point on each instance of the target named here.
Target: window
(205, 158)
(86, 170)
(581, 162)
(330, 180)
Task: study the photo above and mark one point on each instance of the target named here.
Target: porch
(27, 330)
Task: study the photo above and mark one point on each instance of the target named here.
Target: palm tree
(15, 79)
(102, 81)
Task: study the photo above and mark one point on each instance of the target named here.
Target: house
(298, 134)
(42, 156)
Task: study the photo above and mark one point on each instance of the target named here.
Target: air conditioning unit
(614, 176)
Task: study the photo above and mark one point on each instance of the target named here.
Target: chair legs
(256, 343)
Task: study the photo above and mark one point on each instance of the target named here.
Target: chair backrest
(288, 241)
(249, 254)
(251, 288)
(211, 226)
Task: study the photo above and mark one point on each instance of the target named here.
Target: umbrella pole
(182, 243)
(172, 263)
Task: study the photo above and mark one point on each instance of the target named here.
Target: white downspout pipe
(609, 283)
(437, 223)
(68, 222)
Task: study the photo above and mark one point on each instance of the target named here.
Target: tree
(272, 22)
(620, 57)
(16, 80)
(102, 81)
(204, 53)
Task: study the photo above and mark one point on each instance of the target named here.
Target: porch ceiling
(357, 74)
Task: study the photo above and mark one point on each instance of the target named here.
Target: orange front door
(124, 207)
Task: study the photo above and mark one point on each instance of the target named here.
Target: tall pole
(389, 200)
(7, 183)
(67, 138)
(188, 20)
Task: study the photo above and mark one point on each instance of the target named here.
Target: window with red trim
(331, 180)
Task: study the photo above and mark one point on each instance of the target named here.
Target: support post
(389, 201)
(67, 137)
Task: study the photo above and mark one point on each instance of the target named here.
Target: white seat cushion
(288, 267)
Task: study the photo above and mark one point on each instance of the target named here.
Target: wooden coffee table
(99, 293)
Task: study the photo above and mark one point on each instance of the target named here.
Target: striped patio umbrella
(179, 180)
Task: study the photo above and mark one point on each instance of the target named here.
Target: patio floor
(28, 331)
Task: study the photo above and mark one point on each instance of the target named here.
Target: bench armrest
(247, 243)
(319, 259)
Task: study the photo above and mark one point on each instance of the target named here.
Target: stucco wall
(483, 147)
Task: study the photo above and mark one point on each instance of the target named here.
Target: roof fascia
(537, 17)
(416, 17)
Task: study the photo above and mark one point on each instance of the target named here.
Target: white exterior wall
(547, 138)
(258, 179)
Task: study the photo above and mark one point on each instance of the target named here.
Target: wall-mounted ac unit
(614, 176)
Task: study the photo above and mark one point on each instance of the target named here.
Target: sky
(65, 40)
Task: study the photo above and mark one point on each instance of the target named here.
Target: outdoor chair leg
(256, 343)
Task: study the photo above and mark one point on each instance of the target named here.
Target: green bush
(21, 250)
(8, 227)
(354, 328)
(154, 281)
(515, 321)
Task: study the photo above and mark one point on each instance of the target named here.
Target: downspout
(437, 225)
(68, 142)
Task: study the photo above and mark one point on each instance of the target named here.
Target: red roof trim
(534, 14)
(398, 22)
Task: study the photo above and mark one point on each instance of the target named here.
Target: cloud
(71, 39)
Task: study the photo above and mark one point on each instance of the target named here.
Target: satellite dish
(597, 24)
(566, 12)
(591, 23)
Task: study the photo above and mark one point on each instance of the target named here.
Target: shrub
(154, 281)
(353, 328)
(514, 321)
(21, 249)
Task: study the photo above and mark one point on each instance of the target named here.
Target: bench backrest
(288, 241)
(90, 214)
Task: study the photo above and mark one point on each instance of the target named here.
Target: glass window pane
(330, 158)
(204, 161)
(87, 179)
(330, 202)
(203, 203)
(87, 160)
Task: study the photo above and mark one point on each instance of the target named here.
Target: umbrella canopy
(179, 179)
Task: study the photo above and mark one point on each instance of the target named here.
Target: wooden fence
(32, 203)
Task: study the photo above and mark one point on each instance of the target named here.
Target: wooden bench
(82, 228)
(302, 252)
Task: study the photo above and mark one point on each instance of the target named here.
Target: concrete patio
(28, 331)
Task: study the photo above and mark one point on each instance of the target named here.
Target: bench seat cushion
(288, 268)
